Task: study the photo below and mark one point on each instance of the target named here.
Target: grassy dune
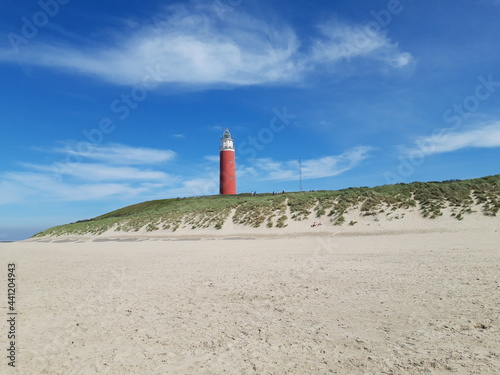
(268, 210)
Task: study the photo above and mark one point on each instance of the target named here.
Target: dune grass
(271, 210)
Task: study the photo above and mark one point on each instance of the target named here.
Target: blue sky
(110, 103)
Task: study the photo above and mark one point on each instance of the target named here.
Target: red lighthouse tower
(227, 164)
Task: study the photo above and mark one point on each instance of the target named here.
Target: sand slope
(414, 303)
(397, 221)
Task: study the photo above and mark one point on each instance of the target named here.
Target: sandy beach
(407, 303)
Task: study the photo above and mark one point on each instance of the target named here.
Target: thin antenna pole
(300, 174)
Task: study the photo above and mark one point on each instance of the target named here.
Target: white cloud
(119, 154)
(342, 41)
(117, 175)
(481, 136)
(41, 186)
(334, 165)
(102, 172)
(188, 45)
(328, 166)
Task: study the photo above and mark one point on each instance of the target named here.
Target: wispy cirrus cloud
(485, 135)
(103, 172)
(266, 169)
(187, 44)
(25, 185)
(120, 172)
(119, 154)
(343, 41)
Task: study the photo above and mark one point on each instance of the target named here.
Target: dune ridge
(393, 208)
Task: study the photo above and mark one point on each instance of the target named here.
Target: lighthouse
(227, 164)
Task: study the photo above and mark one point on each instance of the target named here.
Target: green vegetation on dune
(270, 210)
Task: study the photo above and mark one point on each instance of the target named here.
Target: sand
(400, 302)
